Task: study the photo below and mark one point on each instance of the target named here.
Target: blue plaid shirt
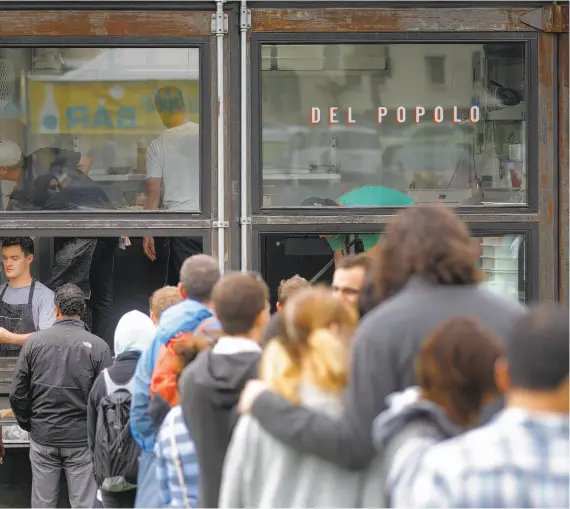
(176, 464)
(517, 460)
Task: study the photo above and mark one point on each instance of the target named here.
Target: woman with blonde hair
(307, 365)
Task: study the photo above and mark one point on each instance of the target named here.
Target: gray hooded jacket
(401, 434)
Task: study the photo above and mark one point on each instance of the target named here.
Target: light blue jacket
(183, 317)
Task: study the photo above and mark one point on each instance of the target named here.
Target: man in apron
(25, 304)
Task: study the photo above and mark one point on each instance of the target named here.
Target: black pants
(181, 248)
(119, 499)
(102, 293)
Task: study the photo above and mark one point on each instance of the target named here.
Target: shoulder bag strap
(178, 464)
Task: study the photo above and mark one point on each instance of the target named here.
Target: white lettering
(381, 112)
(456, 117)
(332, 115)
(420, 112)
(474, 114)
(438, 115)
(315, 115)
(400, 115)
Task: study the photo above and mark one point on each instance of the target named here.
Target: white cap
(10, 153)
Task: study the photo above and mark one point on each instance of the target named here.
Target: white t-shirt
(175, 158)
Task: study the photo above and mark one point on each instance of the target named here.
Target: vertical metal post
(219, 28)
(245, 221)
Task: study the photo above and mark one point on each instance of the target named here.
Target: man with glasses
(349, 277)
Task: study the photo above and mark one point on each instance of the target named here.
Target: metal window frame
(529, 231)
(122, 220)
(530, 41)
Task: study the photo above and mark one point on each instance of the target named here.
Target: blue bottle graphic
(49, 114)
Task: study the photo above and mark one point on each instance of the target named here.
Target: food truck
(458, 104)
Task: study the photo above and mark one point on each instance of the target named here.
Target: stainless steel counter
(12, 435)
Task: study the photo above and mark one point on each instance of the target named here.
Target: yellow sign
(98, 107)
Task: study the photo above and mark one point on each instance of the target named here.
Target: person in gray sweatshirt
(307, 365)
(211, 384)
(456, 379)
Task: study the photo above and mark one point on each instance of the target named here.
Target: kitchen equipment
(7, 78)
(119, 170)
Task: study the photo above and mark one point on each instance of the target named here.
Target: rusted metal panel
(117, 222)
(549, 19)
(356, 219)
(477, 19)
(105, 23)
(548, 287)
(563, 169)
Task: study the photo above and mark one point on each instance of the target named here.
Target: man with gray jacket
(50, 391)
(429, 273)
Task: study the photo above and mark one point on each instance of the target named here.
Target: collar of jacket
(131, 355)
(74, 322)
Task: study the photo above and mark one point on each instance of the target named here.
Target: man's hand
(3, 335)
(251, 391)
(85, 163)
(149, 249)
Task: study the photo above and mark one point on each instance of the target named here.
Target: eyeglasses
(347, 290)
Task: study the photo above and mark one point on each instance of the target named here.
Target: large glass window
(310, 255)
(91, 129)
(413, 123)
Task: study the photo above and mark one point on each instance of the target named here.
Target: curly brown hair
(430, 242)
(455, 367)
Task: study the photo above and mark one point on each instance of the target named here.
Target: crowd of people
(404, 384)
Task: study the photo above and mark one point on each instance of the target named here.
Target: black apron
(16, 318)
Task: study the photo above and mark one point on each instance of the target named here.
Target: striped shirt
(518, 460)
(177, 469)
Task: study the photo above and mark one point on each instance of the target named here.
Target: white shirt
(175, 158)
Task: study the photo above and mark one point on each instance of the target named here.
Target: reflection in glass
(456, 161)
(92, 129)
(286, 254)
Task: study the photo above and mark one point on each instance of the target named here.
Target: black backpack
(115, 456)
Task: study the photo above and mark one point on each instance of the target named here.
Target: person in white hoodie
(307, 365)
(134, 334)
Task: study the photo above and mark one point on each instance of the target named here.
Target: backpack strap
(175, 456)
(207, 322)
(112, 387)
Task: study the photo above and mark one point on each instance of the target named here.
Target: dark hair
(198, 275)
(368, 298)
(69, 299)
(26, 244)
(361, 260)
(315, 201)
(455, 367)
(238, 299)
(290, 286)
(429, 242)
(169, 100)
(537, 349)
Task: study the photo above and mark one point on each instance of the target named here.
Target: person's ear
(263, 317)
(279, 306)
(58, 315)
(30, 258)
(182, 292)
(153, 318)
(502, 377)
